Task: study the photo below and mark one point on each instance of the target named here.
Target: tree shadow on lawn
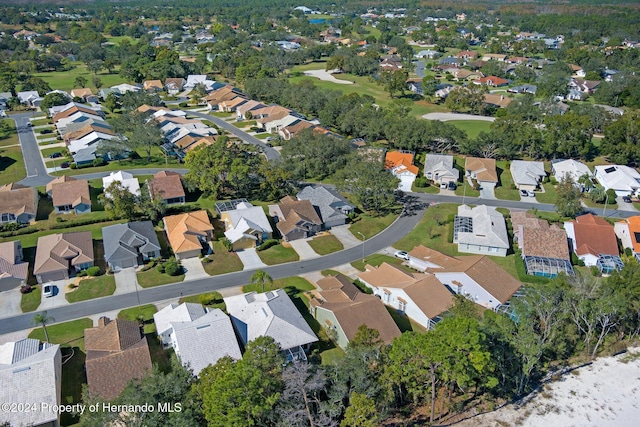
(6, 162)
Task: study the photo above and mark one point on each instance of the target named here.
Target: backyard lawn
(324, 245)
(223, 261)
(278, 254)
(31, 301)
(67, 334)
(94, 287)
(295, 284)
(153, 277)
(369, 225)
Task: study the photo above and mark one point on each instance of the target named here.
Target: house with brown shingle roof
(167, 186)
(13, 269)
(71, 196)
(153, 86)
(293, 129)
(174, 85)
(342, 308)
(422, 297)
(482, 170)
(225, 93)
(18, 204)
(188, 233)
(59, 256)
(593, 240)
(295, 219)
(493, 81)
(85, 94)
(117, 352)
(498, 100)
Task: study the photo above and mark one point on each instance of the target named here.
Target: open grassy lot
(505, 189)
(65, 80)
(278, 254)
(31, 301)
(472, 127)
(324, 245)
(223, 261)
(432, 231)
(144, 313)
(369, 225)
(95, 287)
(153, 277)
(12, 167)
(10, 138)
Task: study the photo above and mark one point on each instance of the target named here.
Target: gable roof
(246, 217)
(594, 235)
(72, 192)
(634, 232)
(81, 93)
(270, 314)
(497, 99)
(488, 227)
(485, 169)
(174, 83)
(117, 352)
(527, 172)
(185, 312)
(152, 84)
(440, 163)
(9, 264)
(618, 177)
(54, 251)
(183, 230)
(400, 162)
(330, 205)
(294, 212)
(571, 167)
(17, 199)
(126, 180)
(545, 242)
(167, 185)
(126, 241)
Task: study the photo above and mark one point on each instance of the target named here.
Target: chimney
(103, 321)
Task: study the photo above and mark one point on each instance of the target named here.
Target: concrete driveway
(250, 259)
(126, 281)
(627, 207)
(58, 300)
(304, 250)
(10, 302)
(487, 192)
(193, 269)
(343, 234)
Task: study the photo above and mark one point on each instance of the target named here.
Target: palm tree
(42, 319)
(261, 277)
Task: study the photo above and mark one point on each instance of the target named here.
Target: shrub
(267, 244)
(611, 193)
(172, 268)
(133, 155)
(99, 161)
(628, 251)
(421, 182)
(227, 244)
(93, 271)
(475, 184)
(73, 166)
(149, 266)
(210, 298)
(553, 180)
(206, 260)
(183, 104)
(25, 289)
(160, 268)
(81, 273)
(595, 271)
(45, 131)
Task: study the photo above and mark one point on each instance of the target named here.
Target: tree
(43, 319)
(80, 81)
(568, 197)
(373, 187)
(622, 139)
(394, 81)
(95, 66)
(366, 337)
(52, 99)
(260, 277)
(119, 201)
(112, 102)
(138, 132)
(97, 82)
(310, 155)
(361, 412)
(301, 402)
(37, 84)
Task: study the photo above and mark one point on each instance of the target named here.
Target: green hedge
(267, 244)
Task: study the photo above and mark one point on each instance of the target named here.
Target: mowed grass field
(65, 80)
(12, 167)
(472, 127)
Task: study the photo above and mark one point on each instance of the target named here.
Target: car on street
(401, 255)
(626, 199)
(55, 155)
(48, 290)
(269, 145)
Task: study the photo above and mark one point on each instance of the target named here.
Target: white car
(48, 290)
(531, 193)
(401, 255)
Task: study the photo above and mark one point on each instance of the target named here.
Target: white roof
(59, 108)
(489, 227)
(33, 377)
(270, 314)
(125, 87)
(570, 167)
(441, 164)
(618, 177)
(126, 179)
(87, 140)
(30, 94)
(246, 217)
(526, 172)
(202, 342)
(185, 312)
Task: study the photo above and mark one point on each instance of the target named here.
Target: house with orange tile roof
(482, 170)
(400, 164)
(628, 231)
(189, 233)
(593, 240)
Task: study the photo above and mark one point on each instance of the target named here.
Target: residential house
(4, 99)
(443, 92)
(415, 86)
(60, 256)
(400, 164)
(194, 79)
(491, 81)
(628, 231)
(217, 96)
(289, 131)
(117, 353)
(624, 180)
(498, 100)
(125, 87)
(467, 55)
(577, 70)
(71, 196)
(517, 60)
(30, 374)
(167, 186)
(89, 135)
(175, 313)
(449, 60)
(153, 86)
(341, 308)
(482, 170)
(231, 105)
(391, 63)
(573, 169)
(494, 57)
(333, 208)
(30, 98)
(476, 276)
(440, 168)
(130, 244)
(427, 54)
(174, 85)
(246, 226)
(126, 180)
(525, 88)
(201, 342)
(57, 180)
(271, 314)
(59, 112)
(593, 240)
(247, 109)
(14, 270)
(584, 86)
(85, 94)
(18, 204)
(295, 219)
(480, 230)
(545, 249)
(527, 175)
(460, 74)
(189, 233)
(105, 91)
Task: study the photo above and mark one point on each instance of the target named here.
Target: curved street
(446, 117)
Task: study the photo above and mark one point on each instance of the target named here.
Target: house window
(493, 249)
(402, 306)
(8, 217)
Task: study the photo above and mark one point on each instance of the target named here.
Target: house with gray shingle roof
(130, 244)
(527, 175)
(333, 208)
(439, 168)
(173, 313)
(480, 230)
(30, 372)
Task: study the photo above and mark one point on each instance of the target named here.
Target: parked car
(55, 155)
(64, 165)
(401, 255)
(531, 194)
(48, 290)
(452, 185)
(626, 199)
(443, 185)
(524, 193)
(269, 145)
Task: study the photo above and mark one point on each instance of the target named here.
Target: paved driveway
(250, 259)
(487, 192)
(193, 268)
(58, 300)
(343, 234)
(126, 281)
(10, 302)
(627, 207)
(304, 250)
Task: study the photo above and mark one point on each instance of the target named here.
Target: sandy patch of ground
(326, 76)
(605, 393)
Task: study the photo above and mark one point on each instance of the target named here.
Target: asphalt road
(140, 171)
(36, 171)
(402, 226)
(270, 153)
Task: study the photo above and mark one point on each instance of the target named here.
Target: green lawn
(67, 334)
(153, 277)
(214, 300)
(294, 284)
(431, 189)
(278, 254)
(432, 231)
(49, 151)
(10, 138)
(144, 311)
(95, 287)
(31, 301)
(549, 195)
(504, 190)
(369, 225)
(324, 245)
(403, 322)
(463, 188)
(329, 272)
(600, 206)
(472, 127)
(376, 259)
(12, 167)
(331, 356)
(223, 261)
(30, 240)
(42, 122)
(65, 80)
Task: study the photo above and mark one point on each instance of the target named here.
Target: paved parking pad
(193, 269)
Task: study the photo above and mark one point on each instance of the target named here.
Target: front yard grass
(601, 206)
(31, 301)
(95, 287)
(208, 299)
(278, 254)
(294, 285)
(431, 189)
(223, 261)
(466, 190)
(12, 167)
(369, 225)
(432, 231)
(376, 259)
(142, 313)
(153, 277)
(472, 127)
(506, 189)
(323, 245)
(67, 334)
(549, 195)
